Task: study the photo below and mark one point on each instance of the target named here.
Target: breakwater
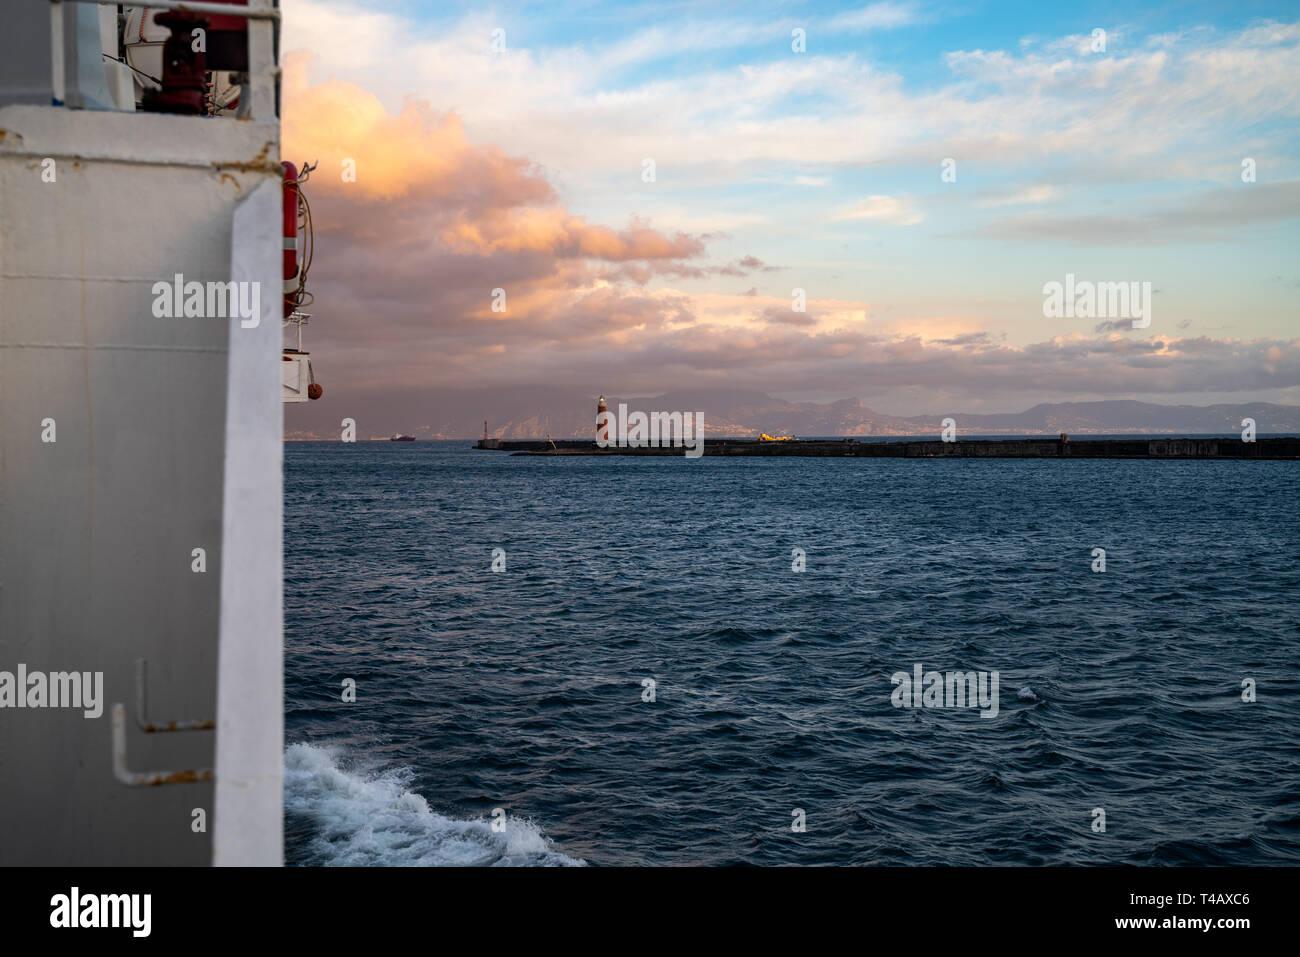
(1017, 448)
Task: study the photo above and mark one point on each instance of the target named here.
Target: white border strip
(248, 823)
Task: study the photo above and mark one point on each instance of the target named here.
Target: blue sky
(823, 167)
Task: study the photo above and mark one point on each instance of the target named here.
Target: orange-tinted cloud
(483, 200)
(407, 256)
(417, 154)
(557, 232)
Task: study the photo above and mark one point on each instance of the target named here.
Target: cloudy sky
(511, 149)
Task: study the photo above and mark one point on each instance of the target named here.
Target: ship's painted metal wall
(250, 685)
(98, 528)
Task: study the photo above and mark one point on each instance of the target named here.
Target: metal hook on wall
(150, 778)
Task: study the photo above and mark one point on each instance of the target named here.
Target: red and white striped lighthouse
(602, 421)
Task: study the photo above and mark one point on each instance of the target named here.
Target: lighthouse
(602, 423)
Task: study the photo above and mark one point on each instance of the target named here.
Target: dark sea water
(523, 690)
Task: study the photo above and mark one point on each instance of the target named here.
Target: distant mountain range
(526, 412)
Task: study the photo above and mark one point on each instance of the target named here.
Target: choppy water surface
(523, 690)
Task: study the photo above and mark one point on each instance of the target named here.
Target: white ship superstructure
(140, 445)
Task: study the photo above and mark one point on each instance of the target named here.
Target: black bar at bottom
(658, 908)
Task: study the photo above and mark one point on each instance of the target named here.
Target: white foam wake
(375, 819)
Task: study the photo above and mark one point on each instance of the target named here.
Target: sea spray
(373, 818)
